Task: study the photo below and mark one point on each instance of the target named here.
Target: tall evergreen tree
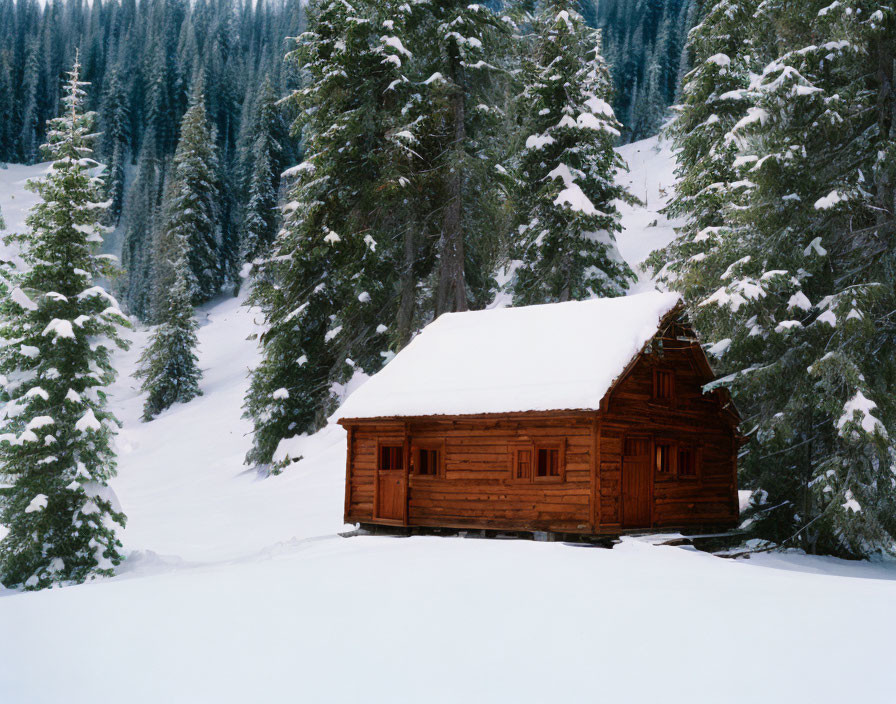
(800, 275)
(454, 119)
(192, 210)
(567, 169)
(115, 144)
(329, 276)
(56, 446)
(715, 98)
(168, 365)
(265, 156)
(142, 215)
(28, 136)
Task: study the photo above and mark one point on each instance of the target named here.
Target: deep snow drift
(239, 589)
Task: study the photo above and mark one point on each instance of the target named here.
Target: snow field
(238, 589)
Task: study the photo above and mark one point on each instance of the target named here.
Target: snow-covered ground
(651, 179)
(238, 589)
(16, 200)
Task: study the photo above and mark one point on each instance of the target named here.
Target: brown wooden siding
(694, 420)
(477, 486)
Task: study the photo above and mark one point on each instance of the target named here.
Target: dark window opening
(687, 462)
(662, 385)
(391, 457)
(548, 462)
(427, 462)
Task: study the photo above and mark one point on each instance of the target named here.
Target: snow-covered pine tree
(800, 313)
(169, 366)
(327, 285)
(454, 118)
(715, 98)
(192, 211)
(56, 448)
(260, 215)
(565, 242)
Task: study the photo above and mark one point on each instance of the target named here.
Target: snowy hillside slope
(16, 200)
(238, 589)
(651, 179)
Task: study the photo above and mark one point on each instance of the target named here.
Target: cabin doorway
(636, 477)
(391, 483)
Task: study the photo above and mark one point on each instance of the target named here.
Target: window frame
(655, 397)
(696, 454)
(398, 443)
(513, 451)
(560, 447)
(532, 447)
(429, 445)
(675, 446)
(672, 449)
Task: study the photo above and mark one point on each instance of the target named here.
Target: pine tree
(142, 217)
(455, 121)
(56, 447)
(799, 275)
(7, 102)
(28, 137)
(115, 123)
(169, 364)
(326, 284)
(192, 210)
(565, 245)
(715, 99)
(260, 216)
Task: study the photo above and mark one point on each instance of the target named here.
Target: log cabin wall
(689, 434)
(474, 484)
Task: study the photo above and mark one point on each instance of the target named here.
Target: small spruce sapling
(168, 365)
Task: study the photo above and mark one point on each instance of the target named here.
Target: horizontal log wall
(692, 418)
(477, 488)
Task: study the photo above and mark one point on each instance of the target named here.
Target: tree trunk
(408, 287)
(451, 294)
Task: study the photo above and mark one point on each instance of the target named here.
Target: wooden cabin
(576, 418)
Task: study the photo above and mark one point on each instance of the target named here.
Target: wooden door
(636, 479)
(391, 484)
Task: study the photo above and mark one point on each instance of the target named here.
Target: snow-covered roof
(560, 356)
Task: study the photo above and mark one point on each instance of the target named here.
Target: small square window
(539, 461)
(428, 462)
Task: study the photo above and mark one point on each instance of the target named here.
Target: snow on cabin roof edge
(549, 357)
